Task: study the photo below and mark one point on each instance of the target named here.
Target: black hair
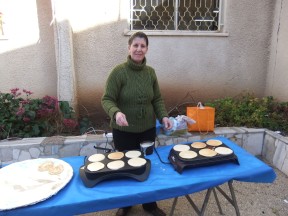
(139, 35)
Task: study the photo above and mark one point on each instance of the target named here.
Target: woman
(133, 101)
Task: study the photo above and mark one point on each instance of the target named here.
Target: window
(176, 15)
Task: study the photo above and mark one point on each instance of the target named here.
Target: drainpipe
(63, 40)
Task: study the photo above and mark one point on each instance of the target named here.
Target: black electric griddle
(181, 163)
(91, 178)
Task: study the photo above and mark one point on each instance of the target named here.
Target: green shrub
(26, 117)
(251, 111)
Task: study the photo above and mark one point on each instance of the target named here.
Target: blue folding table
(163, 183)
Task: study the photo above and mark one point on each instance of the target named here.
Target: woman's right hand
(167, 123)
(121, 119)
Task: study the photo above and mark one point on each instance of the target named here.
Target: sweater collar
(135, 66)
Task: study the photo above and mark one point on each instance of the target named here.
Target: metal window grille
(184, 15)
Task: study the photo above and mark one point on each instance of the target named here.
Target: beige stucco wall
(278, 66)
(27, 55)
(206, 67)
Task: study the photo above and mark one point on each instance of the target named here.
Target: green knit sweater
(133, 89)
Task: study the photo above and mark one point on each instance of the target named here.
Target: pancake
(46, 166)
(115, 165)
(213, 142)
(96, 157)
(51, 168)
(56, 170)
(95, 166)
(223, 150)
(133, 154)
(115, 155)
(198, 145)
(207, 152)
(137, 162)
(188, 154)
(181, 147)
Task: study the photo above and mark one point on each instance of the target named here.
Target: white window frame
(219, 32)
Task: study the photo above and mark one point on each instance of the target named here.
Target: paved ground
(253, 200)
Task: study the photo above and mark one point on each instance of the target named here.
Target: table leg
(189, 200)
(217, 201)
(193, 204)
(234, 198)
(204, 205)
(205, 202)
(233, 201)
(173, 206)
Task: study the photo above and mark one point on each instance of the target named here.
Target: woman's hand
(167, 123)
(121, 119)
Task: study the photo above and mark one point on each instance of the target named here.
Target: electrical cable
(164, 162)
(91, 130)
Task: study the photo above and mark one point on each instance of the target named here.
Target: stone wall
(259, 142)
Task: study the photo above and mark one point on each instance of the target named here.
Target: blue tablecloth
(163, 183)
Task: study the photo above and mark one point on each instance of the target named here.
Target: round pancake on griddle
(115, 165)
(137, 162)
(223, 150)
(115, 155)
(198, 145)
(207, 152)
(188, 154)
(95, 166)
(213, 142)
(181, 147)
(133, 154)
(96, 157)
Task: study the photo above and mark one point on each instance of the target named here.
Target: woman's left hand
(167, 123)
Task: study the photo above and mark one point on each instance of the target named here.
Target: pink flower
(26, 119)
(25, 102)
(27, 92)
(70, 123)
(51, 101)
(15, 92)
(20, 111)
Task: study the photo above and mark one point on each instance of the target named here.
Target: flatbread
(56, 170)
(96, 157)
(95, 166)
(224, 150)
(213, 142)
(181, 147)
(207, 152)
(133, 154)
(116, 155)
(46, 166)
(198, 145)
(137, 162)
(51, 168)
(188, 154)
(115, 165)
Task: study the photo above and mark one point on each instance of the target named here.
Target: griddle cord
(164, 162)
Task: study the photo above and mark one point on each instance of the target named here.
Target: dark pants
(130, 141)
(124, 141)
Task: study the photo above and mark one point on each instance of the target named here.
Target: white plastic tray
(21, 184)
